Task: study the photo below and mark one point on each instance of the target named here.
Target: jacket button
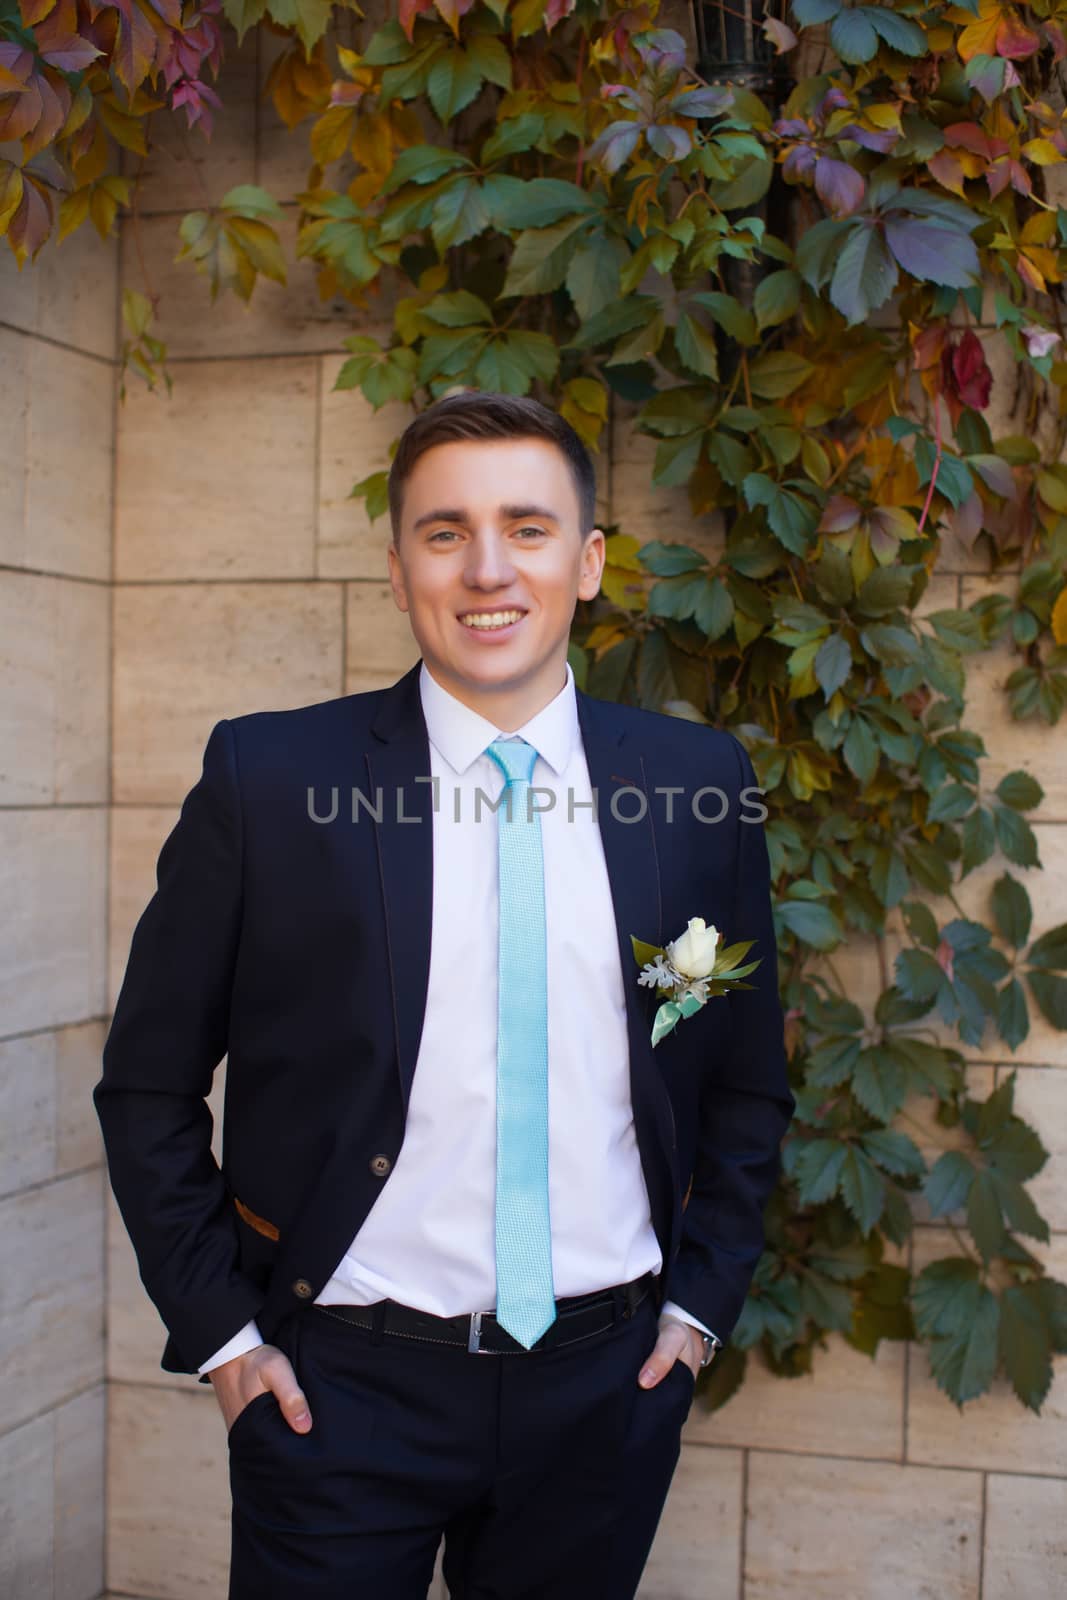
(303, 1288)
(380, 1165)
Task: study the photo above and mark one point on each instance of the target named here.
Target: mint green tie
(525, 1297)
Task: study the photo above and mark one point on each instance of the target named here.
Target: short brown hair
(478, 415)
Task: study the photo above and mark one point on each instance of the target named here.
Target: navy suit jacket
(299, 950)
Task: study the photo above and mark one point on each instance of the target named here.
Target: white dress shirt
(428, 1240)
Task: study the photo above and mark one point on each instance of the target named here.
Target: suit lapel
(630, 853)
(398, 754)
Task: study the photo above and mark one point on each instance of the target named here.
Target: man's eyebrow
(509, 513)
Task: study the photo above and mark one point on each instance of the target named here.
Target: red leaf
(971, 376)
(32, 222)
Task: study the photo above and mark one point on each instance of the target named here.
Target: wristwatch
(711, 1344)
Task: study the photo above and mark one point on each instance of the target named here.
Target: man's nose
(489, 564)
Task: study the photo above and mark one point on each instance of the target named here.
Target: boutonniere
(690, 971)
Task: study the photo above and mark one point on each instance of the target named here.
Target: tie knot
(515, 757)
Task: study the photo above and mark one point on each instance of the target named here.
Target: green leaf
(833, 663)
(459, 214)
(896, 31)
(541, 258)
(453, 82)
(812, 923)
(880, 1082)
(1050, 992)
(948, 1183)
(1050, 951)
(1024, 1344)
(865, 274)
(779, 373)
(1020, 791)
(895, 1152)
(667, 559)
(695, 345)
(248, 200)
(777, 298)
(984, 1215)
(1013, 1019)
(1015, 837)
(593, 275)
(1011, 908)
(538, 202)
(852, 35)
(818, 1170)
(862, 1188)
(422, 163)
(979, 839)
(732, 317)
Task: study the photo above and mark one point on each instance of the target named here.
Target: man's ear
(396, 576)
(592, 564)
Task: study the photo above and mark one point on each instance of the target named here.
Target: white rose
(693, 953)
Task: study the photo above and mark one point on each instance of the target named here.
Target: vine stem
(936, 467)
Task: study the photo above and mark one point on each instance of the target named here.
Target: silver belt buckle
(474, 1337)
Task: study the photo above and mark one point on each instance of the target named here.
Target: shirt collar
(461, 735)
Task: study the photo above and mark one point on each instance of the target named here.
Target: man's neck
(511, 706)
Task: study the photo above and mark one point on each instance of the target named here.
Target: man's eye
(443, 533)
(538, 531)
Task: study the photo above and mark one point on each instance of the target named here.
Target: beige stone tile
(137, 835)
(79, 1495)
(940, 594)
(136, 1332)
(381, 646)
(167, 1481)
(51, 1294)
(26, 1509)
(996, 1431)
(70, 432)
(77, 299)
(18, 292)
(78, 1141)
(849, 1404)
(1025, 1538)
(15, 350)
(53, 882)
(1030, 746)
(186, 170)
(54, 667)
(696, 1554)
(27, 1110)
(187, 655)
(355, 442)
(1041, 1100)
(219, 481)
(27, 705)
(843, 1529)
(83, 686)
(280, 319)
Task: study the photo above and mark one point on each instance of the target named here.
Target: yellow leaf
(620, 550)
(1042, 152)
(1059, 618)
(73, 210)
(259, 242)
(331, 134)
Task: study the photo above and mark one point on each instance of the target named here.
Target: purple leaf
(933, 251)
(840, 187)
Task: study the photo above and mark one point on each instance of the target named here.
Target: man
(471, 1237)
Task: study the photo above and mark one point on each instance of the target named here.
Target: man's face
(489, 563)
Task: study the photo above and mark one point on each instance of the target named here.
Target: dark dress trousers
(299, 950)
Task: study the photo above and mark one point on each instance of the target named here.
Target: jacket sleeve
(168, 1034)
(746, 1104)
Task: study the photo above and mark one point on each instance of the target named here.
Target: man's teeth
(490, 619)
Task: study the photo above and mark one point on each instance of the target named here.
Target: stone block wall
(57, 402)
(242, 577)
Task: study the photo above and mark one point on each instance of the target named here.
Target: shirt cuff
(674, 1310)
(247, 1338)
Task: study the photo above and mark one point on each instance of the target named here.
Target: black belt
(577, 1317)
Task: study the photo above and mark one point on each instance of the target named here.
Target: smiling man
(471, 1239)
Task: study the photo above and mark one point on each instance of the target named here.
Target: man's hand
(678, 1341)
(237, 1383)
